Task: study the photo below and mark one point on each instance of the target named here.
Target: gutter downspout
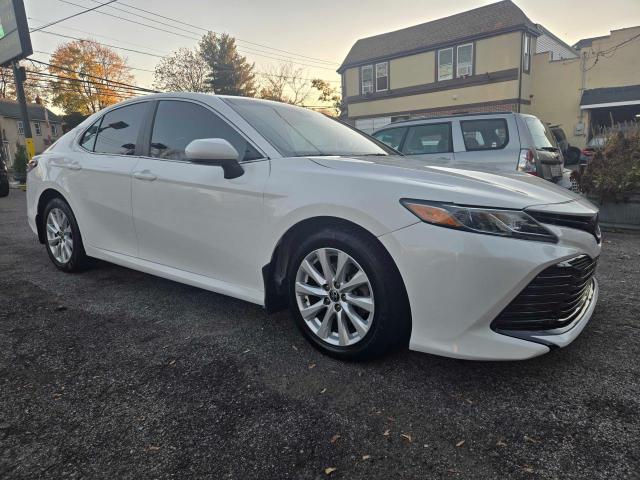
(520, 71)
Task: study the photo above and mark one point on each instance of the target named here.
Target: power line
(100, 36)
(191, 37)
(147, 90)
(75, 15)
(206, 30)
(267, 74)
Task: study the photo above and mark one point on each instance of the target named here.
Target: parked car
(570, 154)
(279, 205)
(596, 143)
(4, 179)
(495, 142)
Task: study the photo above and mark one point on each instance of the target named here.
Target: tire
(388, 324)
(76, 260)
(4, 187)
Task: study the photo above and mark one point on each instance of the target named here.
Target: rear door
(431, 142)
(488, 143)
(100, 178)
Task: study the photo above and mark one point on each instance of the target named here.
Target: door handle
(74, 166)
(145, 175)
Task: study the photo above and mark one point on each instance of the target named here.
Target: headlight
(490, 221)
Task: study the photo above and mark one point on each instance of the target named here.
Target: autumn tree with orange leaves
(87, 72)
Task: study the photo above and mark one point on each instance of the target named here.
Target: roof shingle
(500, 16)
(11, 109)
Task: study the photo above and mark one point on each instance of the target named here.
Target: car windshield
(297, 132)
(539, 134)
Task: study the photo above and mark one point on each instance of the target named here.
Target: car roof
(414, 121)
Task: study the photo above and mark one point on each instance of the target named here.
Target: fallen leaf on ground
(469, 401)
(386, 433)
(295, 348)
(247, 351)
(335, 438)
(313, 365)
(501, 444)
(329, 470)
(366, 457)
(391, 419)
(172, 362)
(153, 448)
(527, 468)
(407, 437)
(323, 390)
(460, 443)
(529, 439)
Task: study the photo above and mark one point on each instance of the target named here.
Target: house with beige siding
(492, 58)
(600, 88)
(46, 127)
(475, 61)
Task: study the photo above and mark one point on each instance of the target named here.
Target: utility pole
(20, 75)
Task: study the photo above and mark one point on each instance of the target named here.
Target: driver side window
(178, 123)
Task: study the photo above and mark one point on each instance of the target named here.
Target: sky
(315, 35)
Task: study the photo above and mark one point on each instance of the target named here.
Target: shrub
(614, 171)
(20, 163)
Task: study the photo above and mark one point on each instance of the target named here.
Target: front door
(187, 215)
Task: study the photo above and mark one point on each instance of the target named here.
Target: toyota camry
(281, 206)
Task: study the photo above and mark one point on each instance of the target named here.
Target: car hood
(517, 190)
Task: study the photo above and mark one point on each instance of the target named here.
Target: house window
(54, 130)
(526, 54)
(367, 79)
(445, 64)
(37, 128)
(464, 66)
(382, 76)
(20, 127)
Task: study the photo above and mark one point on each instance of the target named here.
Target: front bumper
(458, 282)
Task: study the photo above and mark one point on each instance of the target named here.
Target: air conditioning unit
(464, 70)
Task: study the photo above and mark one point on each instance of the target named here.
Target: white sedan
(278, 205)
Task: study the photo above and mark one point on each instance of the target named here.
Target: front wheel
(347, 296)
(63, 240)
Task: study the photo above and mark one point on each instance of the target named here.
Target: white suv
(494, 142)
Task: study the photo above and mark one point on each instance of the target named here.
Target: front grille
(588, 223)
(554, 299)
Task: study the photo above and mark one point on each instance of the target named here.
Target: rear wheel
(63, 240)
(347, 296)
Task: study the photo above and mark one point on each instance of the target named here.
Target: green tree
(182, 71)
(20, 164)
(328, 94)
(230, 73)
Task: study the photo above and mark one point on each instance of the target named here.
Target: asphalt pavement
(116, 374)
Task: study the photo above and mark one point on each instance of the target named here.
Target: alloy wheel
(334, 297)
(59, 235)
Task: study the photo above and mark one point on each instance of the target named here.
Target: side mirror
(215, 151)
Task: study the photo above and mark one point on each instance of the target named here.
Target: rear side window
(179, 123)
(426, 139)
(89, 138)
(538, 133)
(118, 132)
(392, 137)
(485, 134)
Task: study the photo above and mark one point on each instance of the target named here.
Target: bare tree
(184, 70)
(285, 83)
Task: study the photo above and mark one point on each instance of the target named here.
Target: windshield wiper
(548, 149)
